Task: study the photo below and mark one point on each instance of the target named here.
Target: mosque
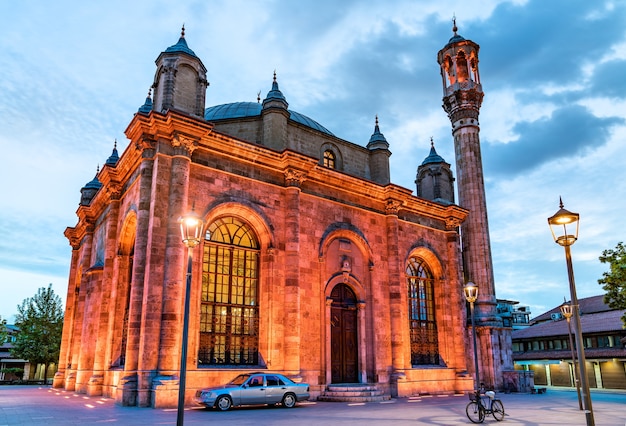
(311, 262)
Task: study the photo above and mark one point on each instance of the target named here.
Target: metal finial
(258, 97)
(274, 76)
(115, 144)
(560, 202)
(182, 32)
(432, 142)
(454, 28)
(376, 119)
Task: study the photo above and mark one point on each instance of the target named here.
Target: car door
(253, 391)
(275, 389)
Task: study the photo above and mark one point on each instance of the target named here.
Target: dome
(181, 46)
(253, 109)
(433, 157)
(93, 184)
(455, 39)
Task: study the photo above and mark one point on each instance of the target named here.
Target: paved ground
(41, 405)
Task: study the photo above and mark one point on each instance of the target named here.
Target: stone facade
(312, 264)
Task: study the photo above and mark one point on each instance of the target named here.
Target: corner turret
(379, 156)
(434, 179)
(275, 117)
(180, 81)
(89, 191)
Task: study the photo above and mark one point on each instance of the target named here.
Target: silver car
(254, 389)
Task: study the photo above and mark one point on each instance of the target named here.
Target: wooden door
(343, 335)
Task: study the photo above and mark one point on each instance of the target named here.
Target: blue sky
(553, 120)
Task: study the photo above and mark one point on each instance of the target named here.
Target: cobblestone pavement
(42, 405)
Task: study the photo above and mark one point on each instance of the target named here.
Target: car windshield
(239, 380)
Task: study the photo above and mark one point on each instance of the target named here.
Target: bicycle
(479, 406)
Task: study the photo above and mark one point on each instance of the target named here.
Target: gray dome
(253, 109)
(433, 157)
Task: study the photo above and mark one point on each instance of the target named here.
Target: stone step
(353, 392)
(351, 388)
(343, 398)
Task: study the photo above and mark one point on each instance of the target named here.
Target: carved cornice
(392, 206)
(294, 177)
(72, 235)
(184, 144)
(147, 145)
(453, 222)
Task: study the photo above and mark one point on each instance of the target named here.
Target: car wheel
(223, 403)
(289, 400)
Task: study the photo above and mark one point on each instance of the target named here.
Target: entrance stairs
(353, 392)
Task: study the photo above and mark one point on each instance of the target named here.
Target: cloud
(568, 132)
(605, 77)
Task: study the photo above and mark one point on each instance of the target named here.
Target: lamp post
(190, 229)
(558, 225)
(566, 311)
(471, 294)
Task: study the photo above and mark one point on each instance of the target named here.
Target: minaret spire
(462, 99)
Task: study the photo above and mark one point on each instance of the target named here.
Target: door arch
(344, 352)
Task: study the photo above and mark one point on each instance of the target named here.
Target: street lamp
(190, 229)
(471, 294)
(566, 311)
(559, 222)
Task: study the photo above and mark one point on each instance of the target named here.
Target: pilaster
(395, 292)
(129, 384)
(292, 338)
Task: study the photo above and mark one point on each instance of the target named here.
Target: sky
(552, 123)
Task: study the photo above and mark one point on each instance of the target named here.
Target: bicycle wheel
(475, 412)
(497, 409)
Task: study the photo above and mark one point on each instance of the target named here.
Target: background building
(513, 314)
(17, 370)
(313, 263)
(544, 347)
(12, 369)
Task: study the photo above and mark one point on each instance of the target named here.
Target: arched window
(229, 308)
(423, 328)
(329, 159)
(448, 65)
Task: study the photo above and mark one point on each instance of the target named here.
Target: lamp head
(191, 229)
(566, 310)
(471, 292)
(559, 223)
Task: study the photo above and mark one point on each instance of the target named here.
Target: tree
(3, 331)
(40, 322)
(614, 281)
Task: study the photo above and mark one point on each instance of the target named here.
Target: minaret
(180, 81)
(462, 98)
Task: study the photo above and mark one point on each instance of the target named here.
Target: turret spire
(114, 157)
